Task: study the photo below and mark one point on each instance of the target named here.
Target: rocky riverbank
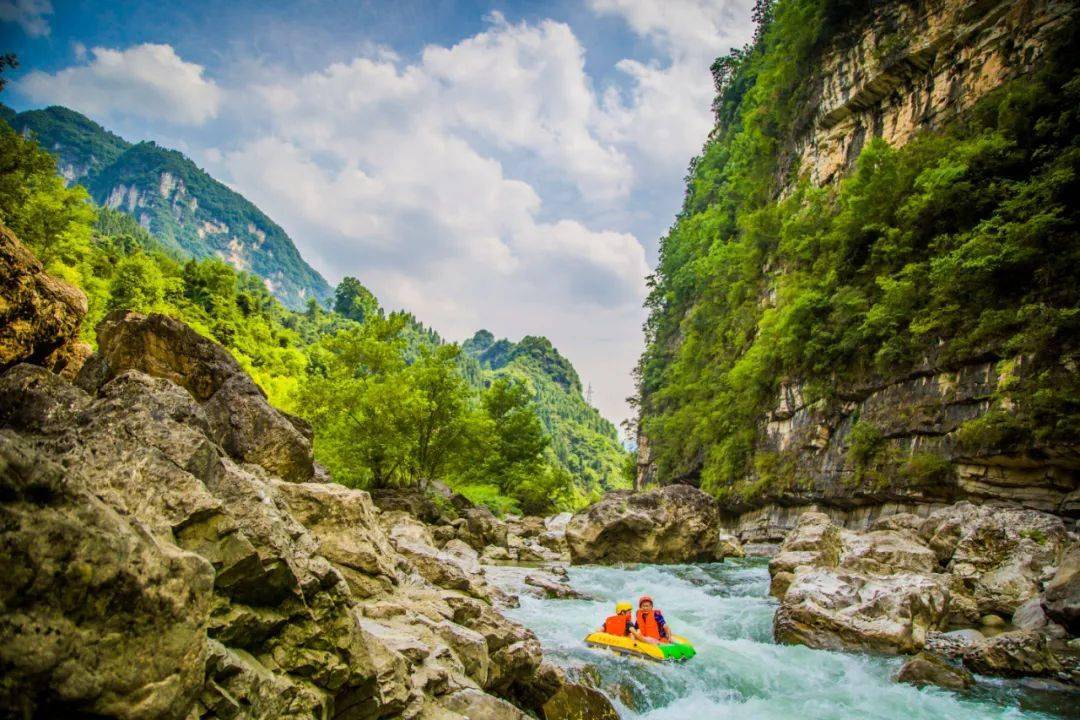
(996, 589)
(172, 551)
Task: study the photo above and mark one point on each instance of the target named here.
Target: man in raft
(650, 622)
(622, 622)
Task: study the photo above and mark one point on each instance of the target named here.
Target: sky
(499, 165)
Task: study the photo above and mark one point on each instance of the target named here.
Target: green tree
(518, 440)
(354, 301)
(137, 284)
(440, 419)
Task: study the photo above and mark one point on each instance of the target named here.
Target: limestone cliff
(877, 442)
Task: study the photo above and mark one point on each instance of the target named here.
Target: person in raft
(650, 622)
(622, 622)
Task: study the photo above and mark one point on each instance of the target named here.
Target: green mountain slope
(582, 440)
(781, 308)
(81, 146)
(173, 198)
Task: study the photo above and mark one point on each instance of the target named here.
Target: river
(739, 672)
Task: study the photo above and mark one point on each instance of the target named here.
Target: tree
(137, 284)
(360, 405)
(440, 418)
(354, 301)
(518, 439)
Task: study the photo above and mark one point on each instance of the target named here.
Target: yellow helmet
(620, 606)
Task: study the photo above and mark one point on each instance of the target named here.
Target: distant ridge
(173, 198)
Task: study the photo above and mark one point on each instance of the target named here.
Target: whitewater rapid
(739, 672)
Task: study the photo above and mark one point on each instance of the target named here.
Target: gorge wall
(906, 437)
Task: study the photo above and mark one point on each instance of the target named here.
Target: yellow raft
(678, 650)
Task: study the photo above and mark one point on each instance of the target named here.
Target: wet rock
(39, 314)
(550, 587)
(677, 523)
(1013, 654)
(579, 702)
(929, 669)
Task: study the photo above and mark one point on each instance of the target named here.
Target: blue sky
(507, 165)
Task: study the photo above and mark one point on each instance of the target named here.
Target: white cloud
(31, 15)
(145, 81)
(667, 115)
(464, 185)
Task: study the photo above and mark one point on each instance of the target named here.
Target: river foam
(739, 672)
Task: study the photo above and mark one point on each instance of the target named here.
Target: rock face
(901, 586)
(899, 69)
(161, 563)
(241, 419)
(39, 315)
(677, 523)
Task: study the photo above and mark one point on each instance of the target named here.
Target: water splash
(739, 672)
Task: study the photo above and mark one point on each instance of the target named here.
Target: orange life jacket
(617, 625)
(647, 625)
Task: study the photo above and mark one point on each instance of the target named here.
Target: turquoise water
(739, 672)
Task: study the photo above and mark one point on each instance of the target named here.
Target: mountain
(870, 297)
(582, 440)
(176, 200)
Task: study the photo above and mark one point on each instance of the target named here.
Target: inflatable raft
(679, 650)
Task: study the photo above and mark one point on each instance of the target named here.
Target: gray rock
(929, 669)
(1013, 654)
(676, 523)
(1062, 597)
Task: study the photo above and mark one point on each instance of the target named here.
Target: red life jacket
(647, 625)
(617, 625)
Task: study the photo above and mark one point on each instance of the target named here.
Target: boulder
(550, 587)
(887, 551)
(475, 705)
(837, 610)
(1000, 556)
(482, 528)
(673, 524)
(1030, 615)
(728, 545)
(242, 420)
(1062, 598)
(98, 614)
(1013, 654)
(579, 702)
(780, 583)
(464, 556)
(814, 541)
(929, 669)
(39, 314)
(414, 501)
(955, 643)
